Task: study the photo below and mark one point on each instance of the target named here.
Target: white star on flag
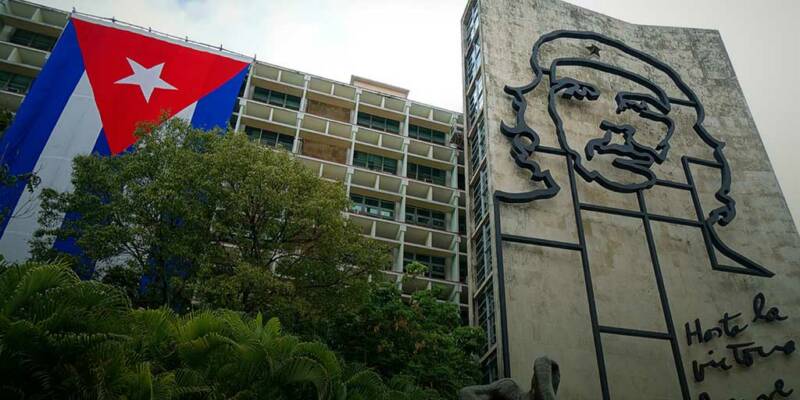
(148, 79)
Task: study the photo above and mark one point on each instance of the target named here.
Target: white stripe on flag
(75, 133)
(187, 113)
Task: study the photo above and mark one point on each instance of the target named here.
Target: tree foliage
(213, 220)
(61, 337)
(422, 341)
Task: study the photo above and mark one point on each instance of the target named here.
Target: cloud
(414, 44)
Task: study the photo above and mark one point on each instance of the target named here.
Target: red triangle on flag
(125, 68)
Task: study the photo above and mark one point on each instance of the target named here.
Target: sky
(415, 44)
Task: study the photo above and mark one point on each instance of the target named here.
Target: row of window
(371, 206)
(475, 100)
(427, 174)
(276, 98)
(477, 146)
(484, 314)
(482, 248)
(32, 39)
(472, 62)
(471, 22)
(389, 165)
(426, 134)
(480, 196)
(292, 102)
(375, 162)
(436, 265)
(378, 123)
(386, 209)
(268, 138)
(16, 83)
(489, 369)
(425, 217)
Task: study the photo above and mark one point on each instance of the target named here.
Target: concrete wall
(548, 304)
(324, 150)
(328, 111)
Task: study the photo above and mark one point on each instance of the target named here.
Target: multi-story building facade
(624, 219)
(400, 161)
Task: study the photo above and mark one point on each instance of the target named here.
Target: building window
(276, 98)
(480, 197)
(427, 174)
(425, 217)
(473, 61)
(471, 22)
(462, 273)
(475, 100)
(426, 134)
(32, 39)
(375, 162)
(372, 206)
(462, 224)
(482, 247)
(378, 123)
(489, 369)
(436, 265)
(271, 139)
(15, 83)
(477, 146)
(484, 310)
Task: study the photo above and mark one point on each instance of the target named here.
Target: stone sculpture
(544, 385)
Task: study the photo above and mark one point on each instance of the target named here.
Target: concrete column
(246, 95)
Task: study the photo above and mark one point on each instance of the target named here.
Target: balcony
(375, 181)
(33, 18)
(325, 169)
(378, 139)
(432, 195)
(256, 112)
(431, 240)
(385, 106)
(326, 127)
(10, 100)
(272, 77)
(437, 156)
(330, 92)
(20, 59)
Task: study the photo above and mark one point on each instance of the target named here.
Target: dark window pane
(252, 133)
(261, 94)
(292, 102)
(286, 142)
(31, 39)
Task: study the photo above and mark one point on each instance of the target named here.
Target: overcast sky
(415, 44)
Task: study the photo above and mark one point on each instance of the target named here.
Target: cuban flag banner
(99, 83)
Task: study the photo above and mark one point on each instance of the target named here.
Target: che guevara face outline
(631, 155)
(631, 148)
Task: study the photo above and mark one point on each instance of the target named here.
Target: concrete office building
(401, 161)
(624, 217)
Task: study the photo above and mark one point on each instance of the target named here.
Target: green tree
(61, 337)
(65, 338)
(217, 221)
(419, 343)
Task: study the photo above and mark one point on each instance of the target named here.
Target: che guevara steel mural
(633, 159)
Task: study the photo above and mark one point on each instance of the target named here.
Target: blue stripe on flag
(23, 142)
(215, 109)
